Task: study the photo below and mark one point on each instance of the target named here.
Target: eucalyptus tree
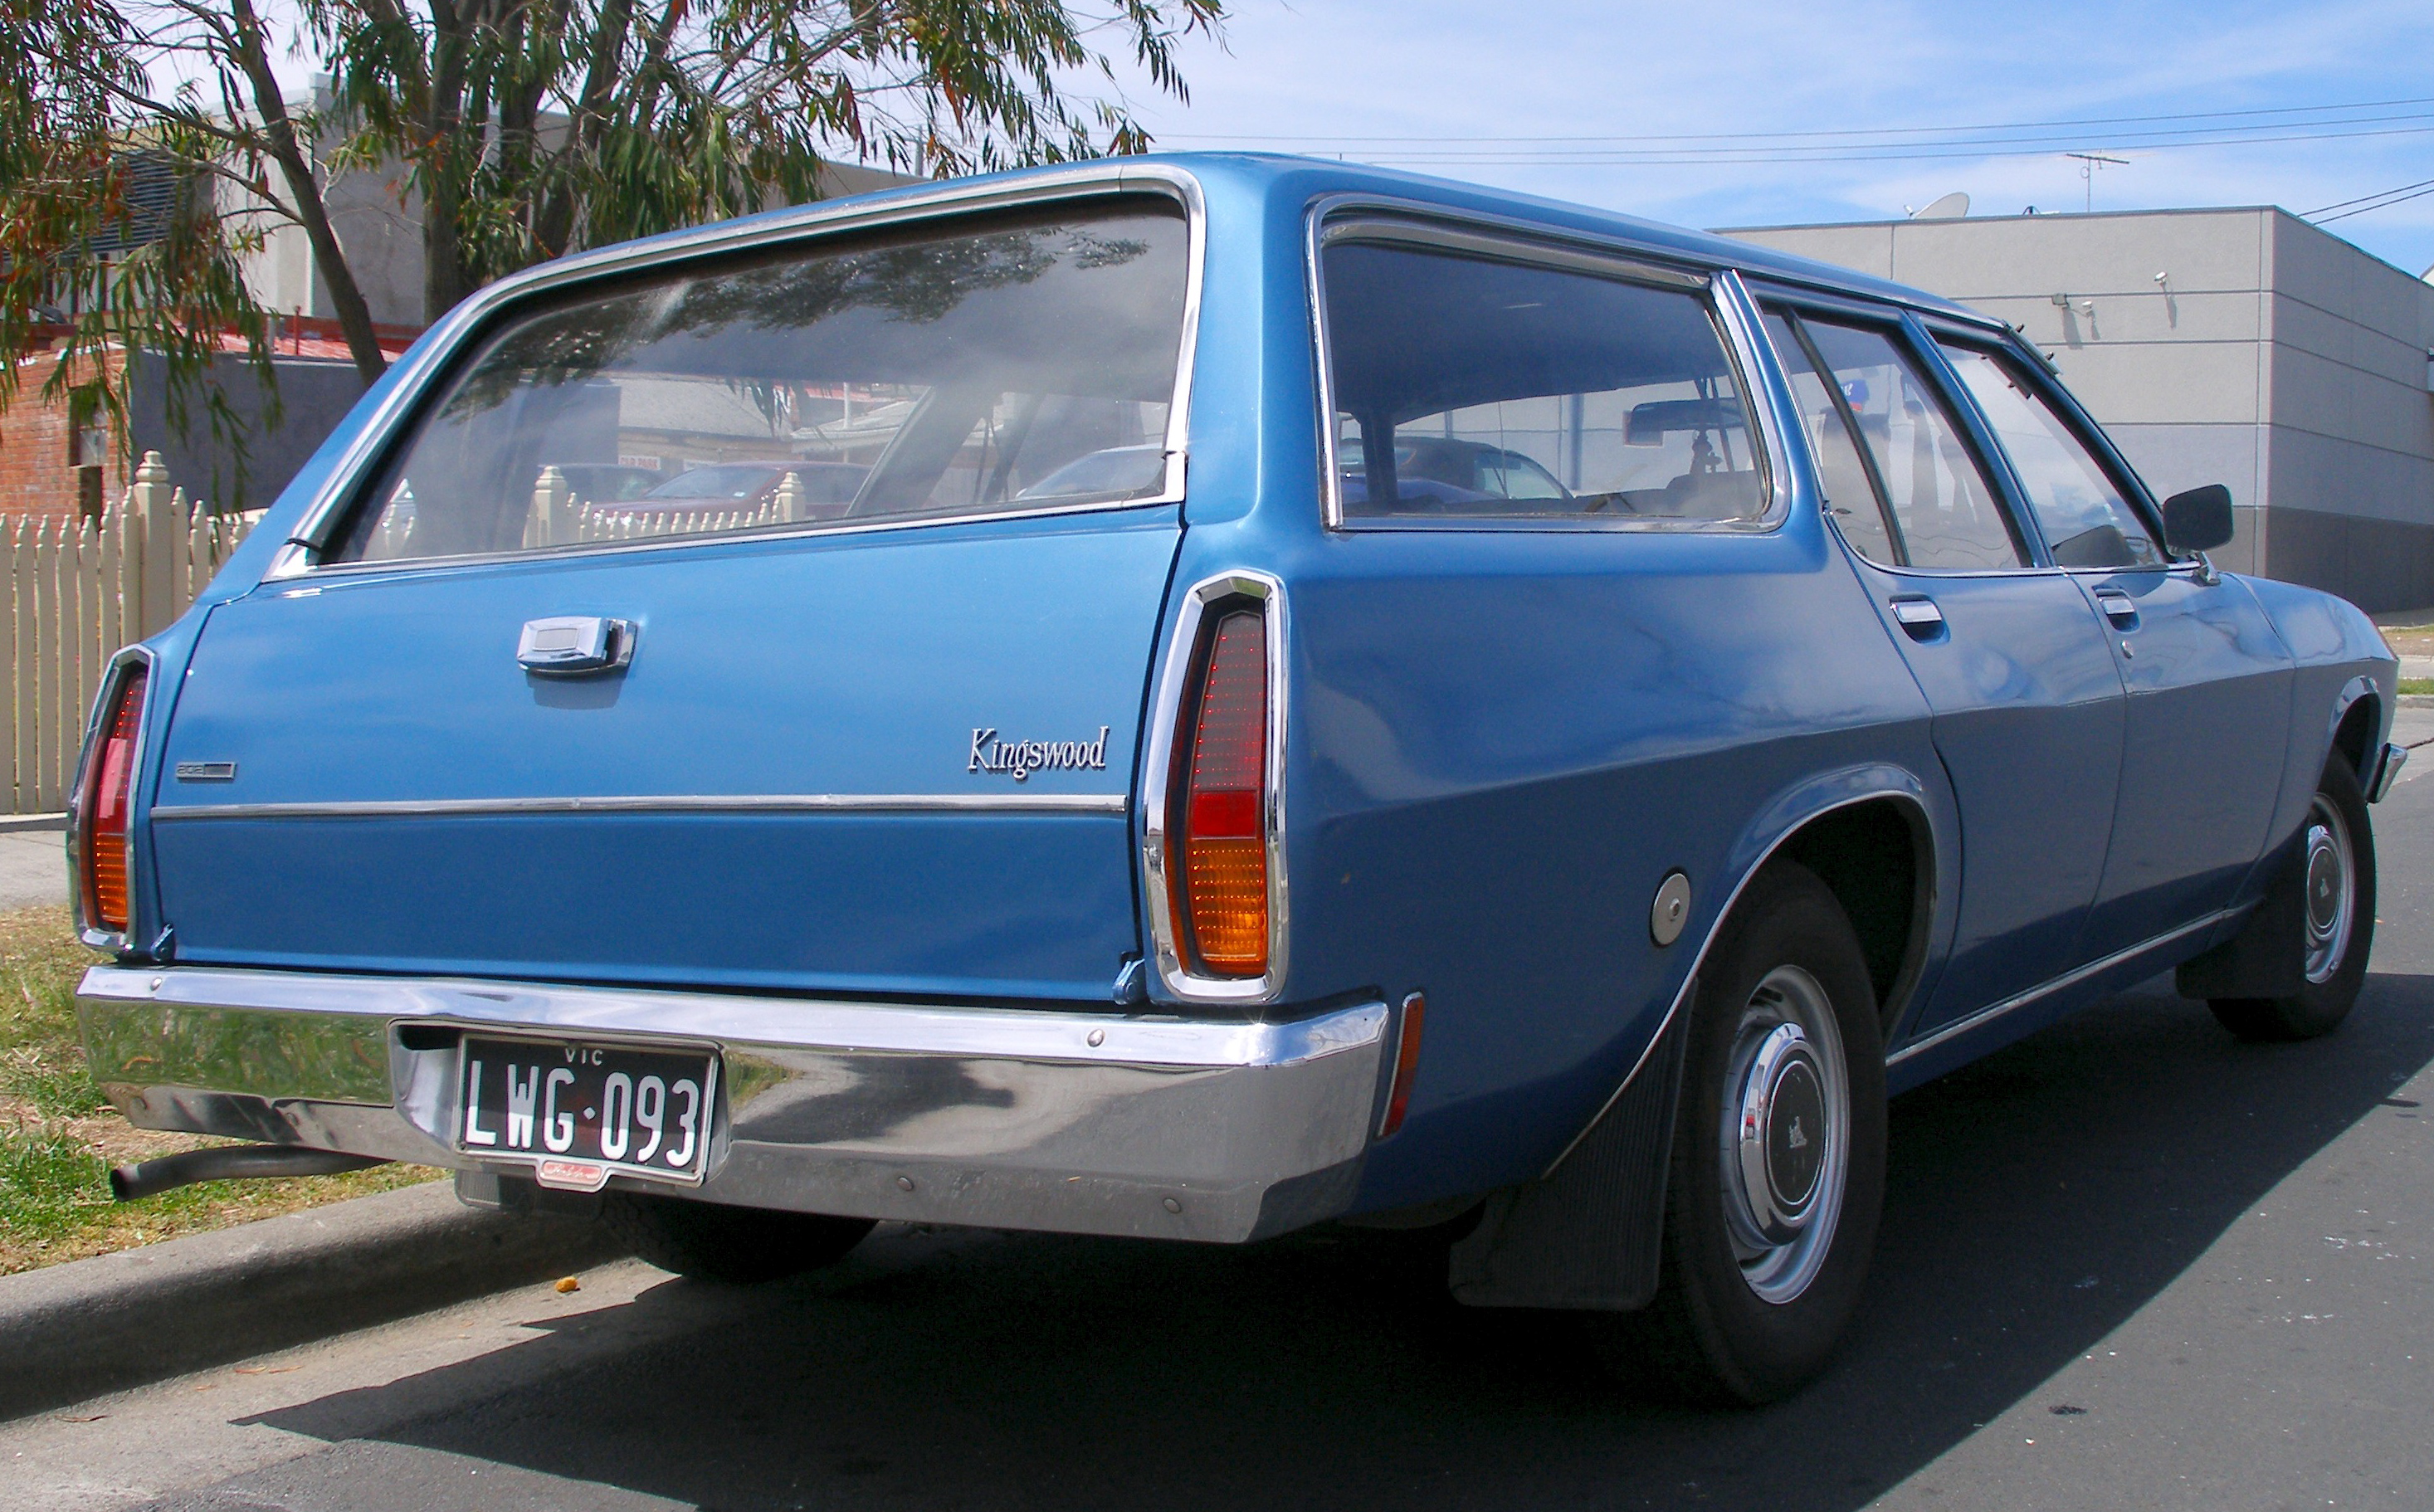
(513, 130)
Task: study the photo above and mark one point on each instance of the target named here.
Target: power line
(2342, 204)
(1889, 131)
(2199, 137)
(2388, 198)
(1720, 157)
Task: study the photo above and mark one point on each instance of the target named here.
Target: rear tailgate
(790, 786)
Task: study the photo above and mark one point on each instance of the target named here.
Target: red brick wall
(35, 475)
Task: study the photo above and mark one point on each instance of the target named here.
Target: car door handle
(2119, 607)
(1919, 616)
(573, 645)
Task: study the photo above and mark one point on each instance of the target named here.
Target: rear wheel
(2336, 869)
(1777, 1173)
(719, 1242)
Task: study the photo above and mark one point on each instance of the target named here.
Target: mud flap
(1590, 1235)
(2261, 961)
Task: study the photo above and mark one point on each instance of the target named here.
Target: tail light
(105, 794)
(1218, 849)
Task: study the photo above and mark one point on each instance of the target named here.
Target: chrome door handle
(2119, 607)
(1919, 616)
(570, 645)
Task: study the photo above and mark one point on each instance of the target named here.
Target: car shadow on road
(2036, 1200)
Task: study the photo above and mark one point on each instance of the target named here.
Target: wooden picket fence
(558, 517)
(77, 591)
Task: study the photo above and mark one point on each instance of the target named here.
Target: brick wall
(38, 472)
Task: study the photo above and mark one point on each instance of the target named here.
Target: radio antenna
(2089, 163)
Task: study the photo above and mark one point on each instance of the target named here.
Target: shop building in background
(2240, 345)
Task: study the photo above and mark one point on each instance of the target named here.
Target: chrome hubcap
(1787, 1104)
(2331, 902)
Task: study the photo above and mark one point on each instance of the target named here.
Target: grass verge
(2417, 685)
(58, 1137)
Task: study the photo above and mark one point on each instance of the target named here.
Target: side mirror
(2199, 519)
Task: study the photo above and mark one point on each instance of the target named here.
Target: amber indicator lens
(1224, 831)
(108, 795)
(1407, 1064)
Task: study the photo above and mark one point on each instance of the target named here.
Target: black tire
(1711, 1334)
(719, 1242)
(2326, 997)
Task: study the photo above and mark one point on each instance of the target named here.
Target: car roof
(1307, 179)
(1280, 183)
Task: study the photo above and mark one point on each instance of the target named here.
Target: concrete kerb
(91, 1326)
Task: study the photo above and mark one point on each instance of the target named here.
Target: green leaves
(104, 245)
(517, 131)
(545, 126)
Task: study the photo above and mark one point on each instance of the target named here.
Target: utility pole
(2089, 163)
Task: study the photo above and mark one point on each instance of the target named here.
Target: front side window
(1467, 388)
(1026, 365)
(1946, 512)
(2086, 516)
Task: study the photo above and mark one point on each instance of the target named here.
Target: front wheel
(1779, 1165)
(2336, 872)
(715, 1242)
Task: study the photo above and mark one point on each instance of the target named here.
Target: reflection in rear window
(1024, 366)
(1469, 389)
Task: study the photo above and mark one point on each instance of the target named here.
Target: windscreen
(1009, 367)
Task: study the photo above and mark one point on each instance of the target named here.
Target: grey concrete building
(2239, 346)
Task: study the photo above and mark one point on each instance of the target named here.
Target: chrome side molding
(2046, 990)
(662, 804)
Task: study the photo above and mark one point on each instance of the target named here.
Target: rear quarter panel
(1499, 743)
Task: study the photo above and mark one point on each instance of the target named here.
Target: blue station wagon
(1323, 695)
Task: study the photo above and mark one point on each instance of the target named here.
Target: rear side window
(2085, 515)
(1024, 366)
(1842, 474)
(1945, 513)
(1468, 388)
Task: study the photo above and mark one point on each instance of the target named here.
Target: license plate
(578, 1111)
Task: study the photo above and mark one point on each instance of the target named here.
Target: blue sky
(1455, 83)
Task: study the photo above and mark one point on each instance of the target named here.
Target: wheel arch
(2356, 725)
(1877, 856)
(1870, 834)
(1585, 1233)
(1842, 817)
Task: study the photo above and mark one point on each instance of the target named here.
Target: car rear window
(1468, 387)
(1017, 365)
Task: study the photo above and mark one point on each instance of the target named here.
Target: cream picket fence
(77, 591)
(559, 518)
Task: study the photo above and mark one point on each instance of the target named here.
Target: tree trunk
(304, 189)
(443, 188)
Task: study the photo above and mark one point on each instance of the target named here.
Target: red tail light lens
(109, 793)
(1221, 900)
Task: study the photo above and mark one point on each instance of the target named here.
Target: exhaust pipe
(147, 1178)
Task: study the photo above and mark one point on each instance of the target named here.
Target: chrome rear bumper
(1083, 1123)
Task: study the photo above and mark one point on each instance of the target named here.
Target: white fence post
(149, 504)
(71, 594)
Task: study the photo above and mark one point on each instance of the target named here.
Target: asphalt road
(2130, 1262)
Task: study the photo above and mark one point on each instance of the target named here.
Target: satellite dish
(1951, 207)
